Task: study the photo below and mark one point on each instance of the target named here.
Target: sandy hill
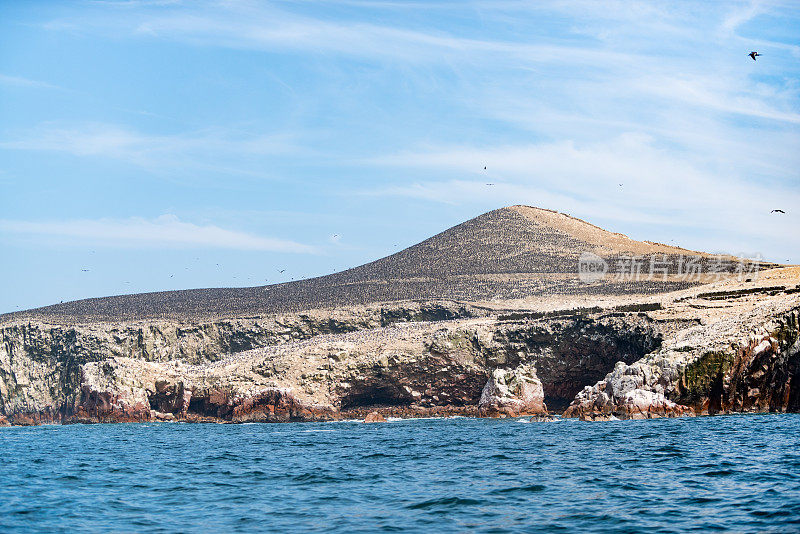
(509, 253)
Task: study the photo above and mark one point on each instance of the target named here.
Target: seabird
(753, 55)
(778, 211)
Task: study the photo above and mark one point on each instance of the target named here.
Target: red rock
(104, 407)
(374, 417)
(23, 420)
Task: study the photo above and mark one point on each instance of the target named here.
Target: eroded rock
(512, 392)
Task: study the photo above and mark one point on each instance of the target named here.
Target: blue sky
(152, 145)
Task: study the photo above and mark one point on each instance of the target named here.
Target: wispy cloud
(17, 81)
(211, 146)
(265, 27)
(161, 232)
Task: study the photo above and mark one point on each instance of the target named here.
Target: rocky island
(495, 317)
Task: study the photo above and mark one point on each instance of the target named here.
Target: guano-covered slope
(509, 253)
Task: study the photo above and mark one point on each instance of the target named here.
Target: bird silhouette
(753, 55)
(778, 211)
(484, 168)
(489, 184)
(281, 270)
(85, 270)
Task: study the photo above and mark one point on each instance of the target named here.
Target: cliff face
(304, 369)
(746, 363)
(409, 360)
(42, 366)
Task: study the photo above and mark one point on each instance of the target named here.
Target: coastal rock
(374, 417)
(161, 416)
(23, 420)
(745, 363)
(512, 392)
(171, 397)
(644, 404)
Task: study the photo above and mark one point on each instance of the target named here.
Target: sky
(155, 145)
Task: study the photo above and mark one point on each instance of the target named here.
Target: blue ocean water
(733, 473)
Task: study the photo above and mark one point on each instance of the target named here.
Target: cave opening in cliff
(582, 353)
(375, 396)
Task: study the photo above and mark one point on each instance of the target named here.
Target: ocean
(736, 473)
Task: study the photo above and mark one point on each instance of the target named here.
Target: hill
(510, 253)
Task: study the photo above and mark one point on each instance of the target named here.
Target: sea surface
(731, 473)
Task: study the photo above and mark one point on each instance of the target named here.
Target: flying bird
(489, 184)
(85, 270)
(753, 55)
(778, 211)
(484, 167)
(281, 270)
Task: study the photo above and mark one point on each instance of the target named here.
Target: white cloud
(164, 231)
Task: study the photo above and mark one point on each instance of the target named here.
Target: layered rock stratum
(494, 317)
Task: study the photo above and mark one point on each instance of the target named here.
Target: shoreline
(389, 416)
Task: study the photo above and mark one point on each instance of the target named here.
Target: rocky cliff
(749, 362)
(411, 360)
